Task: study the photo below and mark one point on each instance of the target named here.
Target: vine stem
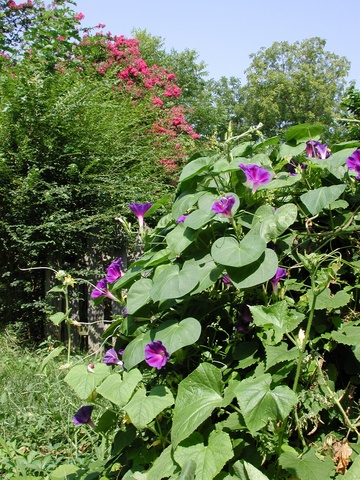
(333, 397)
(302, 348)
(307, 333)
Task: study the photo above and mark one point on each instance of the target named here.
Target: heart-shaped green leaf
(173, 334)
(256, 273)
(228, 251)
(172, 282)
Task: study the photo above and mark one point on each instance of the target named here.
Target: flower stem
(68, 322)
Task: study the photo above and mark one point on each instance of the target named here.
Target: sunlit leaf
(259, 403)
(173, 334)
(174, 283)
(307, 467)
(138, 295)
(277, 317)
(228, 251)
(84, 382)
(180, 238)
(209, 459)
(246, 471)
(195, 167)
(327, 300)
(164, 466)
(198, 394)
(64, 471)
(255, 273)
(119, 390)
(270, 223)
(143, 408)
(316, 200)
(305, 131)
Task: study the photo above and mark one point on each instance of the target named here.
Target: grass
(36, 408)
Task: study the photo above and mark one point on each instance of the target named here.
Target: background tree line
(90, 122)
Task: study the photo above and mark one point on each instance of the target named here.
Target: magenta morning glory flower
(255, 174)
(111, 358)
(280, 273)
(353, 162)
(226, 279)
(156, 354)
(316, 149)
(101, 290)
(181, 219)
(83, 415)
(139, 209)
(114, 272)
(224, 205)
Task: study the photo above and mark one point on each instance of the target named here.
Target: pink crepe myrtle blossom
(114, 271)
(255, 175)
(140, 209)
(157, 101)
(224, 205)
(83, 415)
(101, 290)
(156, 354)
(280, 273)
(172, 91)
(316, 149)
(112, 358)
(353, 162)
(79, 16)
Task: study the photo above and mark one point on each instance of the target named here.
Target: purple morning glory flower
(83, 415)
(101, 290)
(139, 209)
(316, 149)
(226, 279)
(156, 354)
(255, 174)
(291, 166)
(280, 273)
(114, 272)
(353, 162)
(181, 219)
(111, 358)
(242, 325)
(224, 205)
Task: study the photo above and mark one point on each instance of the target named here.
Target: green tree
(351, 103)
(289, 84)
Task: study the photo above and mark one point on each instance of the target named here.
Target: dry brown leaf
(342, 452)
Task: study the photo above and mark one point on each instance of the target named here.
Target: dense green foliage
(242, 290)
(288, 84)
(351, 102)
(79, 140)
(251, 286)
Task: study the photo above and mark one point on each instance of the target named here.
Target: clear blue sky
(226, 32)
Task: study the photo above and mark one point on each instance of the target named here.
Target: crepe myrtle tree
(239, 342)
(82, 115)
